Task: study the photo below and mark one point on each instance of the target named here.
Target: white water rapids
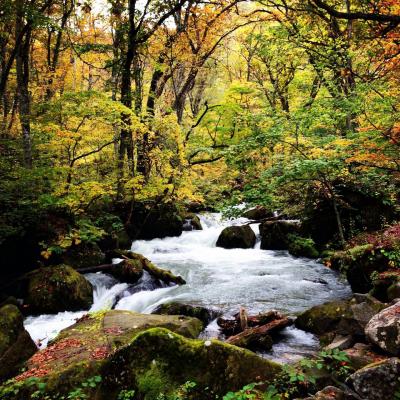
(216, 278)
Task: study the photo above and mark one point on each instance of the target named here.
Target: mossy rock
(159, 361)
(302, 247)
(275, 235)
(359, 264)
(16, 346)
(203, 314)
(345, 317)
(81, 350)
(193, 220)
(140, 261)
(129, 271)
(233, 237)
(54, 289)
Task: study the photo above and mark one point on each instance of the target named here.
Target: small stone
(341, 343)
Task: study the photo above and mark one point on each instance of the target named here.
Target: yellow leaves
(342, 142)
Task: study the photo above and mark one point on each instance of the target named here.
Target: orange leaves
(40, 361)
(100, 352)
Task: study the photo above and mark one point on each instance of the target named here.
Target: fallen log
(140, 262)
(231, 327)
(259, 337)
(96, 268)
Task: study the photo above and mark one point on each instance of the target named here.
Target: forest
(200, 199)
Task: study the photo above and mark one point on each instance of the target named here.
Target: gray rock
(383, 330)
(334, 393)
(379, 381)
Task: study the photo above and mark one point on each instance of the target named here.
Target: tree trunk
(22, 66)
(126, 141)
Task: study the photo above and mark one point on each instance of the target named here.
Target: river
(224, 280)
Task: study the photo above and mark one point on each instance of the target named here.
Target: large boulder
(145, 353)
(383, 330)
(233, 237)
(275, 235)
(345, 317)
(16, 346)
(205, 315)
(53, 289)
(378, 381)
(158, 361)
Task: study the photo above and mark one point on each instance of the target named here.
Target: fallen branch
(253, 337)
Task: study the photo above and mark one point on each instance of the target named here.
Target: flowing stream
(216, 278)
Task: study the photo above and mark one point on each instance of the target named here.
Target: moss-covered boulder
(53, 289)
(205, 315)
(159, 361)
(275, 235)
(140, 262)
(345, 317)
(233, 237)
(16, 346)
(135, 351)
(302, 247)
(129, 271)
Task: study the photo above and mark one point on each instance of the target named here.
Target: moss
(169, 358)
(129, 271)
(81, 351)
(142, 262)
(237, 237)
(153, 382)
(302, 247)
(54, 289)
(16, 346)
(324, 318)
(10, 324)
